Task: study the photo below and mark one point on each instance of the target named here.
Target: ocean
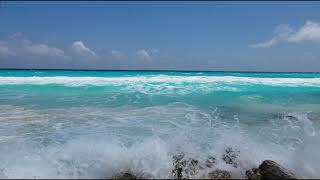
(92, 124)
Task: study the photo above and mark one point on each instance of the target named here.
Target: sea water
(92, 124)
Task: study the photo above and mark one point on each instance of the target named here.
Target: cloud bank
(310, 31)
(44, 50)
(19, 45)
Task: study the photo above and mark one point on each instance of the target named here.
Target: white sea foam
(92, 142)
(100, 81)
(79, 135)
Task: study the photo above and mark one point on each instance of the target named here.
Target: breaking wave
(101, 81)
(93, 127)
(92, 142)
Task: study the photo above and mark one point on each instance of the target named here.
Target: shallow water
(91, 124)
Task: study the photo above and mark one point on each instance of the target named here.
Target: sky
(140, 35)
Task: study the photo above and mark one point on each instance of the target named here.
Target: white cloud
(79, 48)
(269, 43)
(19, 45)
(44, 50)
(310, 31)
(118, 54)
(144, 55)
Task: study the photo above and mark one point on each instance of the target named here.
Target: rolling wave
(101, 81)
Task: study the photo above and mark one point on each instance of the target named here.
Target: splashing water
(75, 124)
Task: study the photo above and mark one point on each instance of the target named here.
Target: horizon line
(159, 70)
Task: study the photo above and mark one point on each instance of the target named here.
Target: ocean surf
(92, 124)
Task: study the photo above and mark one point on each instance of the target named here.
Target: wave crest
(101, 81)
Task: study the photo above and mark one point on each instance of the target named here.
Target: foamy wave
(100, 81)
(98, 152)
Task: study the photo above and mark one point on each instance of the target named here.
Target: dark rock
(178, 165)
(124, 175)
(284, 116)
(291, 118)
(210, 161)
(272, 170)
(184, 168)
(219, 174)
(253, 173)
(231, 157)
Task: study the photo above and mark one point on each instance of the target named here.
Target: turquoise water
(91, 124)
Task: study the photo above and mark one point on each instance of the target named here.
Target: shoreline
(189, 168)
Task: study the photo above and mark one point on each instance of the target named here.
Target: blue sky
(219, 36)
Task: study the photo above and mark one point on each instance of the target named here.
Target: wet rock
(291, 118)
(285, 116)
(272, 170)
(210, 161)
(231, 157)
(193, 167)
(253, 173)
(178, 166)
(184, 168)
(219, 174)
(124, 175)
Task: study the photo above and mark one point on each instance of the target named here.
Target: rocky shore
(189, 168)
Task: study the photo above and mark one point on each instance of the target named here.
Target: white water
(92, 142)
(141, 122)
(100, 81)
